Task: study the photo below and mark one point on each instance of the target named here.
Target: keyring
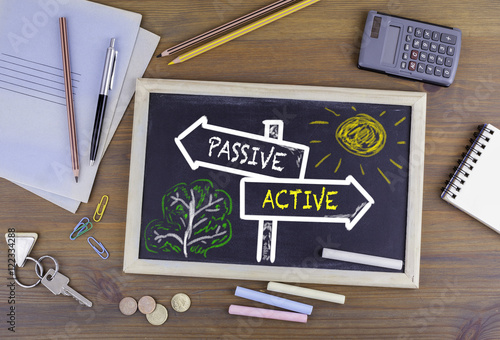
(38, 265)
(39, 262)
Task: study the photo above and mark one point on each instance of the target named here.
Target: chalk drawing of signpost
(275, 170)
(245, 154)
(304, 200)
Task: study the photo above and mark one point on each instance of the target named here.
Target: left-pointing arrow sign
(241, 153)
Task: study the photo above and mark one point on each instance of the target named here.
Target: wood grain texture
(460, 269)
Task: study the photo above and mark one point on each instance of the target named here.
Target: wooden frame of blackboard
(407, 279)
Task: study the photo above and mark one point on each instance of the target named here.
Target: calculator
(409, 48)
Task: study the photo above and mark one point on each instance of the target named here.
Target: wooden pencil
(75, 164)
(244, 30)
(226, 27)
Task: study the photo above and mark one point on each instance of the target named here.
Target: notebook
(473, 186)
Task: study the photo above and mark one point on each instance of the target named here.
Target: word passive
(237, 152)
(241, 153)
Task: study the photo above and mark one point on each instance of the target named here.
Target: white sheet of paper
(34, 139)
(143, 51)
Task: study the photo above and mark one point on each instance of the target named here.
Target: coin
(128, 305)
(181, 302)
(158, 316)
(146, 304)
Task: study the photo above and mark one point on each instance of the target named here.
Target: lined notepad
(474, 185)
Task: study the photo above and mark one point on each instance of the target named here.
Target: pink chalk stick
(267, 313)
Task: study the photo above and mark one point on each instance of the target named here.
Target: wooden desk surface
(459, 291)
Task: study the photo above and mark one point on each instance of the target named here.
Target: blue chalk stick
(273, 300)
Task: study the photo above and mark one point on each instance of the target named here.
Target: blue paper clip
(81, 228)
(102, 206)
(101, 251)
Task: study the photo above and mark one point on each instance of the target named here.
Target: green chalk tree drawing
(195, 220)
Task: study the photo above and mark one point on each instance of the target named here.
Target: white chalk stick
(305, 292)
(369, 260)
(267, 313)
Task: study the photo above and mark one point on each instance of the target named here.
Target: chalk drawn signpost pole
(268, 230)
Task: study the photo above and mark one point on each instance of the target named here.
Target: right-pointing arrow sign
(308, 200)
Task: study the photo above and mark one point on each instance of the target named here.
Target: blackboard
(252, 181)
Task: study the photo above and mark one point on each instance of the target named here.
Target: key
(58, 284)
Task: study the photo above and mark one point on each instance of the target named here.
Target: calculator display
(410, 49)
(391, 43)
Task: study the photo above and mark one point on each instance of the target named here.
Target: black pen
(106, 85)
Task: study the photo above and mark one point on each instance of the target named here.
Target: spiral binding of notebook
(467, 163)
(474, 184)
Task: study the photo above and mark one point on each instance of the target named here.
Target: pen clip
(115, 55)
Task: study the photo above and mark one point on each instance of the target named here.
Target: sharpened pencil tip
(76, 179)
(176, 61)
(158, 56)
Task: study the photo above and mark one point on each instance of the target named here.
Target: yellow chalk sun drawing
(361, 135)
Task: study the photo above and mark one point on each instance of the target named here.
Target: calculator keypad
(430, 52)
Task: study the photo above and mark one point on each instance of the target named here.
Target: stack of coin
(156, 314)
